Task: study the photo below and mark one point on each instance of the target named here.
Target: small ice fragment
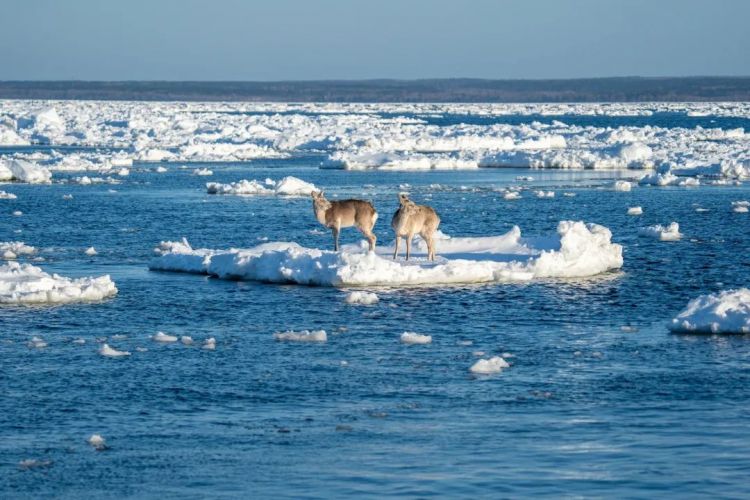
(164, 337)
(202, 172)
(622, 186)
(160, 170)
(303, 336)
(186, 340)
(110, 352)
(478, 353)
(209, 344)
(415, 338)
(544, 194)
(79, 341)
(123, 172)
(363, 298)
(90, 251)
(465, 342)
(635, 211)
(37, 343)
(663, 233)
(17, 213)
(31, 463)
(512, 195)
(569, 195)
(67, 197)
(487, 366)
(98, 442)
(740, 207)
(141, 349)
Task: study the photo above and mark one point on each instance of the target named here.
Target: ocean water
(600, 400)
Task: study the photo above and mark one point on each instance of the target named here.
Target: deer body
(345, 213)
(411, 219)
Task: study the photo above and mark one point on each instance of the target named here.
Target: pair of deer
(409, 219)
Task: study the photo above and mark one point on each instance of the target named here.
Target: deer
(411, 219)
(345, 213)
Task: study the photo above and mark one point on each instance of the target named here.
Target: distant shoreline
(621, 89)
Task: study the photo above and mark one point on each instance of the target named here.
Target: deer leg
(395, 252)
(335, 230)
(408, 245)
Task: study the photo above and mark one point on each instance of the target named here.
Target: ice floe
(10, 250)
(723, 312)
(164, 338)
(91, 251)
(495, 364)
(97, 442)
(635, 211)
(365, 298)
(24, 171)
(302, 336)
(110, 352)
(663, 233)
(415, 338)
(27, 284)
(577, 250)
(7, 196)
(740, 207)
(209, 344)
(622, 186)
(288, 186)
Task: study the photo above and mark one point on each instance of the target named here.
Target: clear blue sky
(337, 39)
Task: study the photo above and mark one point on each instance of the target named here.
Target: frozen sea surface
(600, 399)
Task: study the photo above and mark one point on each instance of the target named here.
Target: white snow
(723, 312)
(97, 441)
(302, 336)
(577, 250)
(415, 338)
(663, 233)
(163, 337)
(635, 211)
(496, 364)
(27, 284)
(288, 186)
(365, 298)
(622, 186)
(91, 251)
(110, 352)
(10, 250)
(24, 171)
(209, 344)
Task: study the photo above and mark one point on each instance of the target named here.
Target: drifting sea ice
(739, 207)
(303, 336)
(110, 352)
(164, 338)
(11, 250)
(495, 364)
(24, 171)
(27, 284)
(577, 250)
(91, 251)
(364, 298)
(663, 233)
(635, 211)
(288, 186)
(415, 338)
(7, 196)
(622, 186)
(723, 312)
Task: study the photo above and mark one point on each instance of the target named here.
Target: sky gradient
(333, 39)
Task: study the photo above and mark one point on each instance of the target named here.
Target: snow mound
(495, 364)
(288, 186)
(663, 233)
(364, 298)
(303, 336)
(27, 284)
(415, 338)
(24, 171)
(577, 250)
(724, 312)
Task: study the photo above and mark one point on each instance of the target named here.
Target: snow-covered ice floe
(288, 186)
(622, 186)
(303, 336)
(7, 196)
(723, 312)
(27, 284)
(10, 250)
(635, 211)
(24, 171)
(577, 250)
(740, 207)
(495, 364)
(364, 298)
(663, 233)
(415, 338)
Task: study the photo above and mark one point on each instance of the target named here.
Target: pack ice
(27, 284)
(576, 250)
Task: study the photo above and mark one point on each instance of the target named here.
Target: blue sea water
(600, 399)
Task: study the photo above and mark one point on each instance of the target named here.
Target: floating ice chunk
(110, 352)
(288, 186)
(209, 344)
(37, 343)
(495, 364)
(25, 171)
(578, 250)
(544, 194)
(79, 341)
(569, 195)
(723, 312)
(67, 197)
(31, 463)
(27, 284)
(635, 211)
(164, 337)
(17, 213)
(303, 336)
(668, 233)
(160, 170)
(512, 195)
(7, 196)
(11, 250)
(121, 162)
(91, 251)
(662, 177)
(203, 172)
(622, 186)
(123, 172)
(739, 207)
(186, 340)
(97, 442)
(365, 298)
(415, 338)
